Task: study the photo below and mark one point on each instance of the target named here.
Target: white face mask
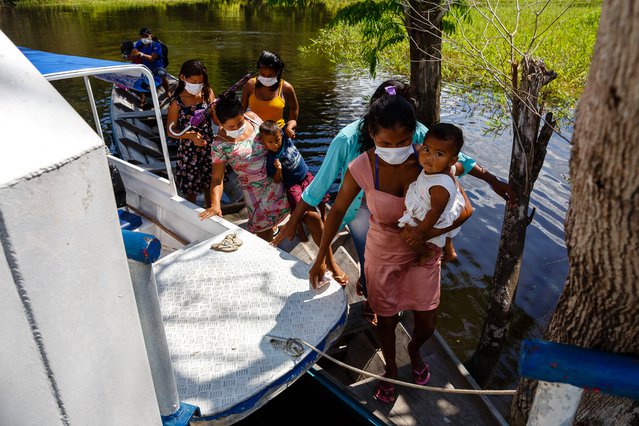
(236, 133)
(394, 155)
(267, 81)
(193, 88)
(146, 40)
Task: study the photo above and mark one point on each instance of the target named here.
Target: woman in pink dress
(396, 281)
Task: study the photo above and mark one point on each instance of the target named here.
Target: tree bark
(598, 307)
(423, 24)
(528, 153)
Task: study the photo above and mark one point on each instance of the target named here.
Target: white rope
(410, 385)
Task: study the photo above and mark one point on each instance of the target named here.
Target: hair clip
(390, 90)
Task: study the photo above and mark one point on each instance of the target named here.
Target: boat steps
(412, 407)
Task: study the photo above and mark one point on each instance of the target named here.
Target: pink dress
(394, 280)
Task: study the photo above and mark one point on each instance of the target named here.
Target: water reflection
(229, 38)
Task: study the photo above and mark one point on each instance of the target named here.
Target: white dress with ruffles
(418, 204)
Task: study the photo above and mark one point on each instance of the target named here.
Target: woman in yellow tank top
(268, 94)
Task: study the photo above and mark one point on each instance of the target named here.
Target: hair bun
(228, 94)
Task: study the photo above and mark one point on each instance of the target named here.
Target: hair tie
(390, 90)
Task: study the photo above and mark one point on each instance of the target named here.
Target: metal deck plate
(217, 308)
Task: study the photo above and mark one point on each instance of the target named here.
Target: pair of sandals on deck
(385, 391)
(229, 244)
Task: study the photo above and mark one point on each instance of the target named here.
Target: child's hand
(197, 139)
(277, 164)
(287, 231)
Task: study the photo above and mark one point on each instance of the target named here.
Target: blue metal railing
(590, 369)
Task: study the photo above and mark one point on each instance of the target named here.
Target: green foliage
(110, 4)
(564, 39)
(344, 45)
(381, 25)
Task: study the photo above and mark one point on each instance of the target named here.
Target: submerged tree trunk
(598, 307)
(528, 153)
(423, 24)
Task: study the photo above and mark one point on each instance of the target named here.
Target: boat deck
(218, 307)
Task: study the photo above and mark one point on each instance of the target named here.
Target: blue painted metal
(128, 220)
(50, 63)
(593, 370)
(144, 248)
(347, 400)
(182, 416)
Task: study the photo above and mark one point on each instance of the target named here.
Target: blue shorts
(160, 72)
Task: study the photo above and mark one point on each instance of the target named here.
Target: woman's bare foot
(416, 360)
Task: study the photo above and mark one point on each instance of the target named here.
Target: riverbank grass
(566, 33)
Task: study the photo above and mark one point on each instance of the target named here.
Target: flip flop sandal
(341, 279)
(421, 377)
(385, 392)
(228, 244)
(235, 239)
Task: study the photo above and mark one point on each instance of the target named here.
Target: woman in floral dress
(237, 144)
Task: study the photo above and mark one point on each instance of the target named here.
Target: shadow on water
(229, 38)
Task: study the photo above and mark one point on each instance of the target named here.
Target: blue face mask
(146, 40)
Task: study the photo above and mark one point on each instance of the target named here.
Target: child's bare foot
(449, 253)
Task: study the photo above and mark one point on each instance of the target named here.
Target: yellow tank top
(269, 110)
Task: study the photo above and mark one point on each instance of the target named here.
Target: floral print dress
(265, 199)
(193, 168)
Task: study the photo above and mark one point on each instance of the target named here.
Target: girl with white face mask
(236, 145)
(267, 94)
(193, 168)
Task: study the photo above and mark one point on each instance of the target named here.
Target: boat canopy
(55, 66)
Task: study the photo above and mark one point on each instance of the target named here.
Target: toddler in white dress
(433, 200)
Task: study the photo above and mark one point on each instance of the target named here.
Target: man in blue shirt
(150, 53)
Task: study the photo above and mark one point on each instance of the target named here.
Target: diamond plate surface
(217, 308)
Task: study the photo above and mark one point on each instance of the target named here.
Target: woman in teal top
(344, 148)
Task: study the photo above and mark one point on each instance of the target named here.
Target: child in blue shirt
(285, 164)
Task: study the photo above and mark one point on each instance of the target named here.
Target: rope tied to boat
(290, 346)
(303, 343)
